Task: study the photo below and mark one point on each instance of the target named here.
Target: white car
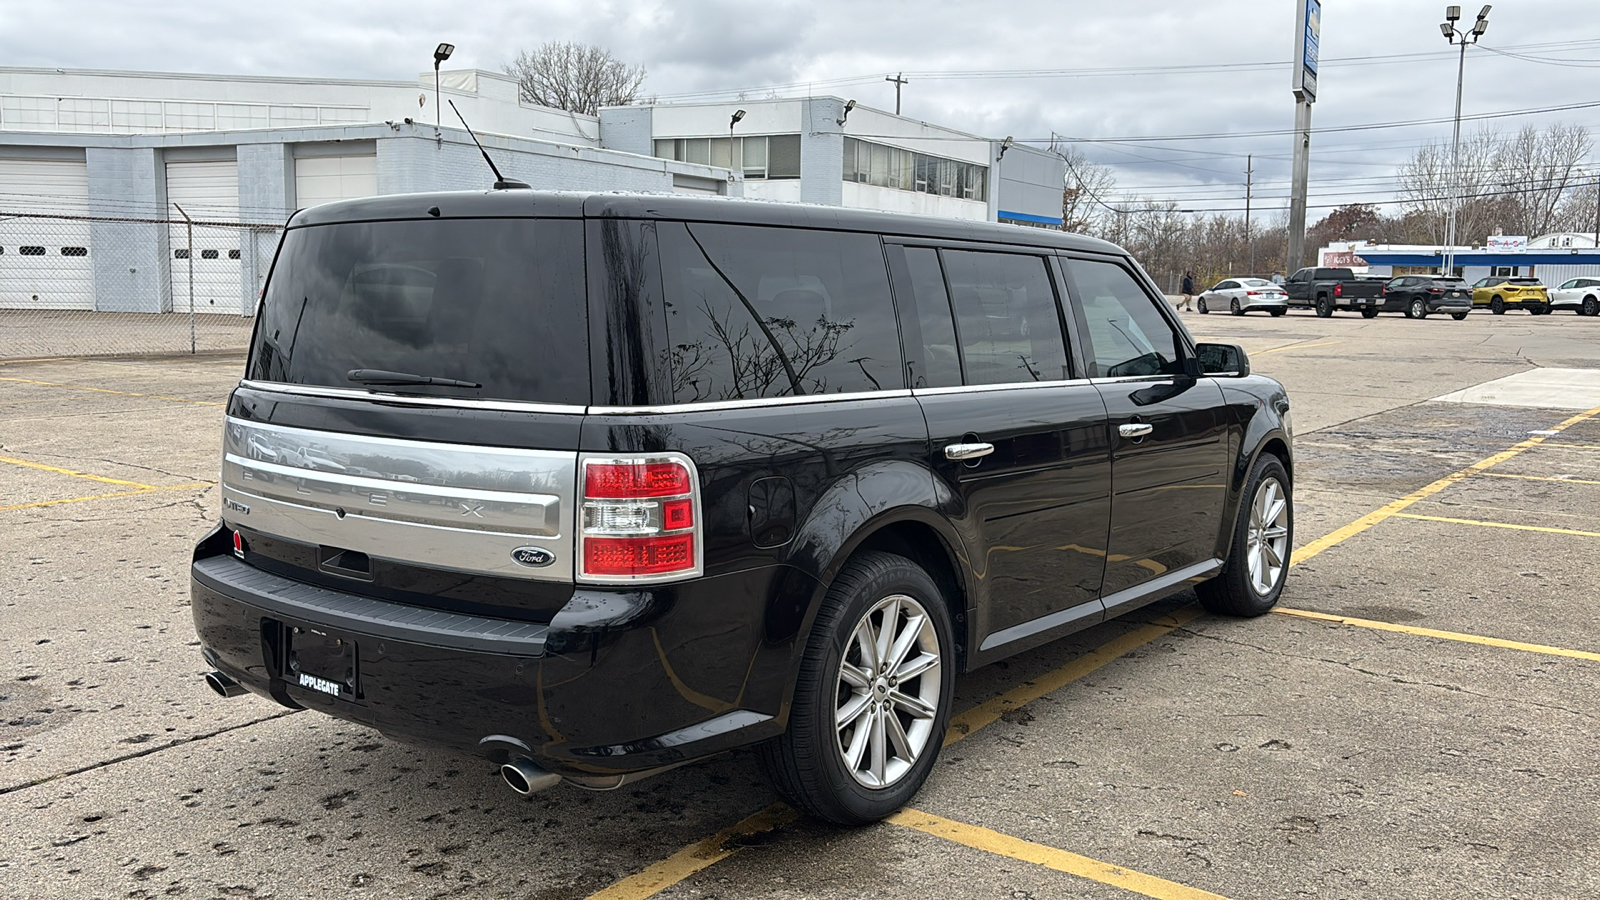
(1581, 295)
(1241, 295)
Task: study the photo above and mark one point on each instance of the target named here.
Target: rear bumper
(620, 681)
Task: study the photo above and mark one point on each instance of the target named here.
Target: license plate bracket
(322, 662)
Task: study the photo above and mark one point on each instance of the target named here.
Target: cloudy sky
(1171, 95)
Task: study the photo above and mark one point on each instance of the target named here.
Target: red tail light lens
(1338, 290)
(635, 479)
(639, 519)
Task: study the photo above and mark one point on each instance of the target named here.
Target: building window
(775, 156)
(74, 251)
(181, 253)
(233, 254)
(208, 254)
(31, 251)
(907, 170)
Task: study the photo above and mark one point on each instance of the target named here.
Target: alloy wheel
(887, 697)
(1267, 542)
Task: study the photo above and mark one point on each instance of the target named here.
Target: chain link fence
(85, 285)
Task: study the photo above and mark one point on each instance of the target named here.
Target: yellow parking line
(988, 711)
(144, 490)
(1498, 525)
(60, 471)
(991, 841)
(1343, 534)
(1297, 347)
(1539, 478)
(79, 387)
(696, 856)
(1573, 446)
(1442, 635)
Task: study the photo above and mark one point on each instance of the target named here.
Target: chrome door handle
(1135, 430)
(967, 451)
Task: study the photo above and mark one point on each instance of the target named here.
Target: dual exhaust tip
(522, 774)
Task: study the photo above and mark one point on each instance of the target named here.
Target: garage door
(207, 191)
(44, 261)
(324, 179)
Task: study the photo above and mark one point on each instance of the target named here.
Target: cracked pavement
(1278, 757)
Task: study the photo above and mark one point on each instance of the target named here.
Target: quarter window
(938, 364)
(1006, 317)
(1128, 336)
(774, 312)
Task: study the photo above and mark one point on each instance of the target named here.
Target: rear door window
(938, 364)
(756, 312)
(1007, 319)
(495, 302)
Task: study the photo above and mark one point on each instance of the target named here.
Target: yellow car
(1500, 293)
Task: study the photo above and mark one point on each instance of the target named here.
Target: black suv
(1419, 295)
(596, 485)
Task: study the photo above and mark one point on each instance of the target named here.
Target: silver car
(1581, 295)
(1241, 295)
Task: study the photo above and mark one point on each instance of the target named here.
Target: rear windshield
(494, 302)
(1523, 281)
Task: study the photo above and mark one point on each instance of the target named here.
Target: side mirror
(1228, 360)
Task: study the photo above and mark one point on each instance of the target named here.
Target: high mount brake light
(640, 519)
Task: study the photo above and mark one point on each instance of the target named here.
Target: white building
(98, 169)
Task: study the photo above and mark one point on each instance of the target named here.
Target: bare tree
(1538, 170)
(1431, 186)
(1082, 197)
(579, 78)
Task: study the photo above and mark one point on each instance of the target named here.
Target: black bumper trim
(275, 594)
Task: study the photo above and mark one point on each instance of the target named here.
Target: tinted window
(1127, 334)
(1006, 317)
(939, 364)
(499, 302)
(776, 312)
(1227, 285)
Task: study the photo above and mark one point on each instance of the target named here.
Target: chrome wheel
(1267, 542)
(888, 691)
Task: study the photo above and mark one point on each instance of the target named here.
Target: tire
(1591, 307)
(1277, 312)
(1201, 306)
(1417, 309)
(1458, 316)
(1237, 590)
(1324, 307)
(1233, 307)
(1497, 306)
(1369, 312)
(807, 764)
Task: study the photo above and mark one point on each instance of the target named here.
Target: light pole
(440, 54)
(1456, 36)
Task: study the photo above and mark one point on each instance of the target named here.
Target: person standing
(1188, 291)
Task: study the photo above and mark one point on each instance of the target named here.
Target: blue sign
(1308, 22)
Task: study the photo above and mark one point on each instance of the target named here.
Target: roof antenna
(501, 183)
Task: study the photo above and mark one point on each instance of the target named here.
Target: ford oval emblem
(533, 557)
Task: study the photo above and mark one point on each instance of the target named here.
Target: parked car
(1419, 295)
(1500, 293)
(1327, 290)
(1581, 295)
(1242, 295)
(645, 478)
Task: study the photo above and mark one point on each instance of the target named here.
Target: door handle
(1135, 430)
(967, 451)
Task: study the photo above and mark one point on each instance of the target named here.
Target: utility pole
(1308, 31)
(898, 80)
(1249, 177)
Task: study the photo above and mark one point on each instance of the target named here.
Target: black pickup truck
(1326, 290)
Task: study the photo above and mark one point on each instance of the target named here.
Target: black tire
(1233, 307)
(1497, 306)
(1591, 307)
(1277, 312)
(1458, 316)
(1201, 306)
(1369, 312)
(1231, 593)
(1324, 307)
(1417, 309)
(805, 764)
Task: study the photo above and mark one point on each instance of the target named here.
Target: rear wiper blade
(379, 376)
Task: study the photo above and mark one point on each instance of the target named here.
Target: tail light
(640, 519)
(1338, 290)
(1435, 290)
